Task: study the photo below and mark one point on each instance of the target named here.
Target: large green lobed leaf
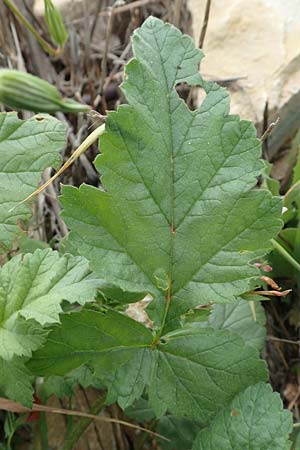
(32, 290)
(191, 372)
(27, 147)
(255, 420)
(16, 381)
(181, 218)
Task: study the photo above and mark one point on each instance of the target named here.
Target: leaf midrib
(172, 198)
(93, 353)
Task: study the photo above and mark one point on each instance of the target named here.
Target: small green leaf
(179, 430)
(238, 318)
(27, 147)
(16, 381)
(140, 410)
(295, 438)
(32, 288)
(282, 267)
(65, 386)
(255, 420)
(110, 293)
(295, 154)
(19, 336)
(27, 245)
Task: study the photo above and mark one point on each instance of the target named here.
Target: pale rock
(259, 40)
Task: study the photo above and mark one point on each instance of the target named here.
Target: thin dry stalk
(123, 9)
(177, 10)
(204, 24)
(201, 43)
(104, 59)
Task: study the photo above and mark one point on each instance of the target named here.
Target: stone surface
(259, 40)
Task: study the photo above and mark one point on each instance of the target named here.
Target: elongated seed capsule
(55, 24)
(20, 90)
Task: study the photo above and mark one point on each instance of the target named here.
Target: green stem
(143, 438)
(43, 431)
(47, 47)
(285, 254)
(72, 439)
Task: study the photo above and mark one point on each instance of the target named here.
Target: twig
(20, 60)
(201, 43)
(177, 11)
(227, 81)
(95, 425)
(52, 198)
(205, 23)
(117, 429)
(269, 130)
(142, 439)
(10, 405)
(99, 5)
(292, 188)
(87, 36)
(122, 9)
(83, 424)
(79, 151)
(116, 67)
(294, 401)
(280, 322)
(104, 59)
(286, 341)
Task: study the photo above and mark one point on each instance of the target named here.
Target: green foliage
(120, 351)
(181, 219)
(181, 200)
(55, 24)
(32, 290)
(285, 259)
(64, 386)
(253, 421)
(27, 147)
(140, 410)
(22, 90)
(16, 381)
(238, 318)
(181, 432)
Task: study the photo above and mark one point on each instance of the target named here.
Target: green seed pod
(55, 24)
(20, 90)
